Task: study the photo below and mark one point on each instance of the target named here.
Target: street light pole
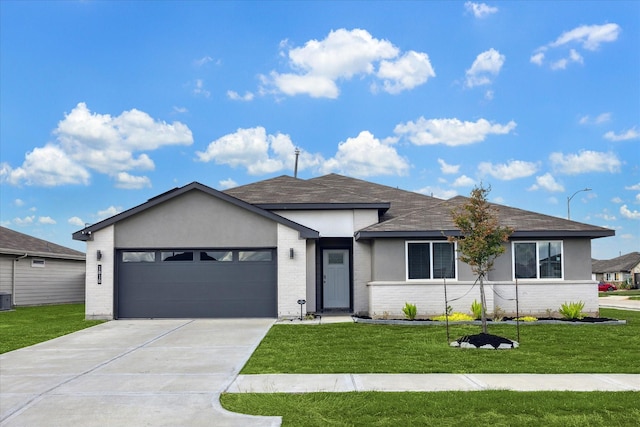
(569, 201)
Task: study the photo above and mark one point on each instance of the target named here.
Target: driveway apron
(131, 373)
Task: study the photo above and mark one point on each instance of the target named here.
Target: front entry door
(335, 264)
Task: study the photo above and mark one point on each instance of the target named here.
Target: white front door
(335, 264)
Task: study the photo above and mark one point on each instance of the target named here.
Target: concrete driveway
(131, 373)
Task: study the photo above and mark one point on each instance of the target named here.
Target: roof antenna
(295, 170)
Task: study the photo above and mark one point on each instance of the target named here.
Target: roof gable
(85, 234)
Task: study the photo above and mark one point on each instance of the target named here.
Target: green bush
(476, 309)
(410, 310)
(572, 310)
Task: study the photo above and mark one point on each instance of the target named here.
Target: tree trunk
(483, 303)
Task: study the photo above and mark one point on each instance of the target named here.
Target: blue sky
(106, 104)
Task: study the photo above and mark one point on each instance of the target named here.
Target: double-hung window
(537, 260)
(430, 260)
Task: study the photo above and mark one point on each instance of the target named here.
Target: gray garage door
(196, 283)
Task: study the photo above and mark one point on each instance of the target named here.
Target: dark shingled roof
(14, 243)
(408, 214)
(621, 264)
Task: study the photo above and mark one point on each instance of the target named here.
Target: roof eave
(592, 234)
(55, 255)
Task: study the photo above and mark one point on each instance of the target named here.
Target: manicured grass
(623, 292)
(494, 408)
(26, 326)
(365, 348)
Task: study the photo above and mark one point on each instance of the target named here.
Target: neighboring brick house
(34, 271)
(342, 245)
(621, 271)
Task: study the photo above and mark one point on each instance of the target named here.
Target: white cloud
(200, 90)
(365, 155)
(633, 187)
(448, 169)
(76, 221)
(227, 183)
(48, 166)
(514, 169)
(599, 119)
(450, 132)
(547, 182)
(180, 110)
(463, 181)
(638, 198)
(27, 220)
(438, 192)
(407, 72)
(486, 65)
(629, 214)
(248, 96)
(588, 37)
(616, 200)
(537, 58)
(316, 67)
(46, 220)
(202, 61)
(480, 10)
(91, 141)
(18, 202)
(130, 182)
(624, 136)
(585, 162)
(108, 212)
(258, 152)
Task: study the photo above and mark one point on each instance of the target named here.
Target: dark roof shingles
(15, 241)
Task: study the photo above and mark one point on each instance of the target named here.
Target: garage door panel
(197, 288)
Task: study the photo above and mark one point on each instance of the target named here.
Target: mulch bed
(485, 341)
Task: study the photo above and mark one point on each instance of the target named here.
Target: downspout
(13, 279)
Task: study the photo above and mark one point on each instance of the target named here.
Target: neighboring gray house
(341, 244)
(622, 270)
(34, 271)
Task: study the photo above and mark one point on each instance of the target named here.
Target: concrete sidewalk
(619, 301)
(294, 383)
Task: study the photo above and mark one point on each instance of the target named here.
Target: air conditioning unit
(5, 302)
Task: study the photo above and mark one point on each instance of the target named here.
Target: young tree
(481, 238)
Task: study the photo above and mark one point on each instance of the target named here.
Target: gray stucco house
(343, 245)
(34, 271)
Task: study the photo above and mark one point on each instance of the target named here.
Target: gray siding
(59, 281)
(195, 219)
(6, 271)
(389, 263)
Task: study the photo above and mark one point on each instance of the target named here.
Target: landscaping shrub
(410, 311)
(572, 310)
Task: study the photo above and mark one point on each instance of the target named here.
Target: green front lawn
(365, 348)
(26, 326)
(485, 408)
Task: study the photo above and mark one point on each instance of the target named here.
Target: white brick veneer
(99, 298)
(292, 273)
(534, 298)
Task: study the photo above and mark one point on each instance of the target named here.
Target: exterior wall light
(291, 254)
(99, 255)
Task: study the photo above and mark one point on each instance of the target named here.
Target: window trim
(537, 243)
(430, 242)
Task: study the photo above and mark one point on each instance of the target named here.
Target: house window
(138, 257)
(264, 255)
(36, 262)
(216, 256)
(537, 260)
(177, 256)
(430, 260)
